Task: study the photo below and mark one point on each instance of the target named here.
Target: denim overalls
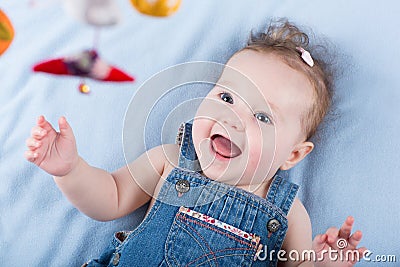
(196, 221)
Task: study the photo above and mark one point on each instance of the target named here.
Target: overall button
(182, 186)
(116, 259)
(273, 225)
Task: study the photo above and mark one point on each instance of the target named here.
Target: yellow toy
(157, 8)
(6, 32)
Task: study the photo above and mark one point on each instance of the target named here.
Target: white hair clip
(306, 56)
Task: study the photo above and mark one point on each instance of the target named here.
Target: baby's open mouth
(224, 147)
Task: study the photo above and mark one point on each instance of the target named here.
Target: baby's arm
(298, 236)
(95, 192)
(106, 196)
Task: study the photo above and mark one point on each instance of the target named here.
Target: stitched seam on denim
(174, 224)
(166, 187)
(251, 218)
(222, 250)
(272, 190)
(220, 204)
(247, 218)
(186, 144)
(261, 207)
(185, 148)
(193, 237)
(213, 206)
(229, 209)
(190, 164)
(142, 226)
(182, 217)
(167, 242)
(184, 153)
(245, 198)
(192, 152)
(277, 185)
(277, 245)
(283, 202)
(187, 163)
(287, 203)
(237, 214)
(194, 230)
(205, 195)
(208, 194)
(293, 196)
(181, 148)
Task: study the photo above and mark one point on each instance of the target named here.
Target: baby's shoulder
(298, 213)
(299, 233)
(170, 154)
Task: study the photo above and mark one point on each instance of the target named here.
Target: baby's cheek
(200, 126)
(261, 159)
(253, 160)
(198, 134)
(256, 170)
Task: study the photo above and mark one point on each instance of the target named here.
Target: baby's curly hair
(283, 38)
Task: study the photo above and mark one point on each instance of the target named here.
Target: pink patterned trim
(205, 218)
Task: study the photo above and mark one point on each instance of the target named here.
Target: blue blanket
(354, 169)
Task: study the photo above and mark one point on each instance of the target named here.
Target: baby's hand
(339, 242)
(54, 152)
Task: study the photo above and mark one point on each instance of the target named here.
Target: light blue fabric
(353, 170)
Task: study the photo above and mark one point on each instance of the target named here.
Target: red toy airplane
(85, 64)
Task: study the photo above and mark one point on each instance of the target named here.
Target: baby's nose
(234, 123)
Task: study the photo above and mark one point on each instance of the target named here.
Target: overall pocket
(196, 239)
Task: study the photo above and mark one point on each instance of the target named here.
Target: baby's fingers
(319, 242)
(38, 132)
(31, 155)
(345, 230)
(355, 239)
(44, 124)
(32, 143)
(332, 233)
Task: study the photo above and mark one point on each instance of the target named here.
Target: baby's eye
(227, 97)
(263, 118)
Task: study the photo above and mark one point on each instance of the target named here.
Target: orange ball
(84, 88)
(6, 32)
(158, 8)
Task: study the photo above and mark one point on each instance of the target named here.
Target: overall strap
(282, 193)
(187, 154)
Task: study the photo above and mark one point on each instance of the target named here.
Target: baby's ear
(299, 152)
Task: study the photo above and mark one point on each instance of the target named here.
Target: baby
(215, 198)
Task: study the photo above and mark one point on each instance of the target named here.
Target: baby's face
(247, 128)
